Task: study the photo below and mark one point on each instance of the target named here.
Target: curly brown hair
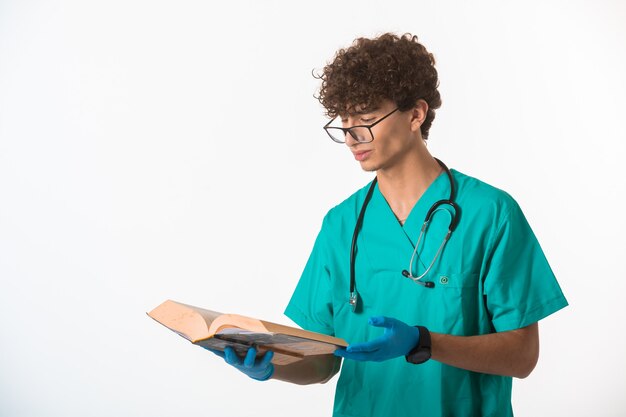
(389, 67)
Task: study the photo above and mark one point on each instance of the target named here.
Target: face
(394, 137)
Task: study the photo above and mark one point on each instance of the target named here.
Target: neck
(403, 184)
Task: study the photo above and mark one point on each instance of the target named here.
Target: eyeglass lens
(358, 133)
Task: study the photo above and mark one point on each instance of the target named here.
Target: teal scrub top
(491, 276)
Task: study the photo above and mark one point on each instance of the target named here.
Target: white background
(153, 150)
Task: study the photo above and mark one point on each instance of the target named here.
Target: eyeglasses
(360, 133)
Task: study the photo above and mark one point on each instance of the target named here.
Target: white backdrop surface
(153, 150)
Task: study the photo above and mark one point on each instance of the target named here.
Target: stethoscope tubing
(359, 223)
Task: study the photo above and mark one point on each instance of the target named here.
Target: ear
(418, 114)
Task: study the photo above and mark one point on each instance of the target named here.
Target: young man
(440, 313)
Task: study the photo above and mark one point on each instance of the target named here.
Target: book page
(190, 322)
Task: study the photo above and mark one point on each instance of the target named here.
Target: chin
(368, 168)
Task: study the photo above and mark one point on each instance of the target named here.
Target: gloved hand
(398, 340)
(260, 369)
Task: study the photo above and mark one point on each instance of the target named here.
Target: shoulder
(489, 214)
(476, 195)
(346, 212)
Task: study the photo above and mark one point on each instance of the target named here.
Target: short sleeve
(311, 303)
(519, 285)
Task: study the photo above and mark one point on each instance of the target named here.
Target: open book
(214, 330)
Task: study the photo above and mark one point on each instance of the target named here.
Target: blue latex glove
(398, 340)
(260, 369)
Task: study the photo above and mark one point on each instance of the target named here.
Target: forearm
(514, 353)
(316, 369)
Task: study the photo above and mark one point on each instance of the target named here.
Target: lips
(361, 155)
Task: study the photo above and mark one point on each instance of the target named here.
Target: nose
(350, 140)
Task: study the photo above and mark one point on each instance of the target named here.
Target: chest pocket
(454, 282)
(454, 303)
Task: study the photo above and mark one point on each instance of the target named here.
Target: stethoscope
(454, 218)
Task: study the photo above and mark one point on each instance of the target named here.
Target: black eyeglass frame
(346, 130)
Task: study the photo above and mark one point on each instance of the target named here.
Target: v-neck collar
(387, 221)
